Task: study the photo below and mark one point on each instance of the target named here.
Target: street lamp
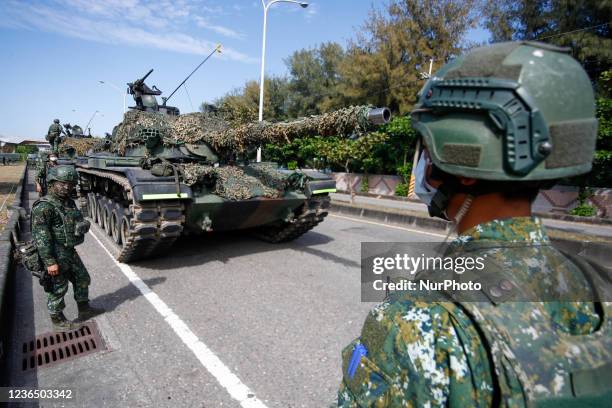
(118, 89)
(263, 55)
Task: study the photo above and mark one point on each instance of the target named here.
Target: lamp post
(263, 55)
(118, 89)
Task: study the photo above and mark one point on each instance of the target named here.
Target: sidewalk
(419, 211)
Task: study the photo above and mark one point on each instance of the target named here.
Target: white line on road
(209, 360)
(388, 225)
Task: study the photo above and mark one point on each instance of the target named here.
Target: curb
(390, 216)
(554, 216)
(8, 238)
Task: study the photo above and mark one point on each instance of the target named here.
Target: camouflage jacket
(56, 225)
(420, 354)
(54, 130)
(41, 172)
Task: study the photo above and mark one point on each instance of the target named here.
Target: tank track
(312, 213)
(145, 228)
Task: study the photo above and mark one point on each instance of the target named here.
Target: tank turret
(161, 175)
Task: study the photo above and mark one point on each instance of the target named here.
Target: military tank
(161, 175)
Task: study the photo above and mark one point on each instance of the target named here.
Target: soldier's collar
(509, 230)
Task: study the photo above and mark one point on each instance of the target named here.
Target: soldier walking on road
(496, 125)
(57, 228)
(54, 135)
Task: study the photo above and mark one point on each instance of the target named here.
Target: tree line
(385, 63)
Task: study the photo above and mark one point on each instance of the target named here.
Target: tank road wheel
(100, 211)
(124, 229)
(115, 222)
(91, 206)
(108, 212)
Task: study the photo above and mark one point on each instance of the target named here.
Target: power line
(573, 31)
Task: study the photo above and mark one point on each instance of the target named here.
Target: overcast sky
(54, 52)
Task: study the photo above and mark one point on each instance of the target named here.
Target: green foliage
(583, 210)
(401, 190)
(25, 150)
(292, 165)
(557, 22)
(365, 184)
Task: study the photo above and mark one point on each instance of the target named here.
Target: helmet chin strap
(465, 207)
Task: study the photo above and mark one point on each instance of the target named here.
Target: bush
(365, 184)
(583, 210)
(292, 165)
(401, 190)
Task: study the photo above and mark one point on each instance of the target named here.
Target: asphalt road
(275, 316)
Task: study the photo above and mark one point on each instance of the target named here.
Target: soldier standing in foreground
(54, 135)
(496, 125)
(57, 227)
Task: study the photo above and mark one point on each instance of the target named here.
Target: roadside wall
(8, 238)
(558, 200)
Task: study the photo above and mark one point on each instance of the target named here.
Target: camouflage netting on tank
(237, 182)
(82, 145)
(222, 136)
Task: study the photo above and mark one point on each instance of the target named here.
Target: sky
(55, 52)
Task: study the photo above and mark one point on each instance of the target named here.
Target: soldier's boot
(86, 311)
(60, 323)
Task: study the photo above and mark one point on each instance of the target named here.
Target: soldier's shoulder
(42, 205)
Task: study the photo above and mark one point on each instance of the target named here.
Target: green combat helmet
(63, 173)
(514, 111)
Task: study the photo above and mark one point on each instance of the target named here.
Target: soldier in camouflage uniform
(496, 125)
(54, 135)
(45, 162)
(57, 227)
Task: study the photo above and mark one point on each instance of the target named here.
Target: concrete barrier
(8, 238)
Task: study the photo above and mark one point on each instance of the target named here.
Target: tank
(161, 175)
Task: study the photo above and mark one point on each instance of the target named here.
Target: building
(39, 144)
(7, 146)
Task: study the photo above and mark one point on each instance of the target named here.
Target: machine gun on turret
(145, 97)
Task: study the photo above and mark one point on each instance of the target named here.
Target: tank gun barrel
(223, 136)
(379, 116)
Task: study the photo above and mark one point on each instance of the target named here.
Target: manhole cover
(53, 348)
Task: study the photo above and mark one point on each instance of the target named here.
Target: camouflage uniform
(54, 136)
(471, 354)
(41, 175)
(53, 231)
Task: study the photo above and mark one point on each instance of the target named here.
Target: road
(228, 321)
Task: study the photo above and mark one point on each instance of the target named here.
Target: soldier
(496, 125)
(57, 227)
(54, 135)
(46, 161)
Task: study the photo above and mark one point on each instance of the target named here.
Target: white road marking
(388, 225)
(207, 357)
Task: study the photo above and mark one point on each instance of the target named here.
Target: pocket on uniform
(369, 385)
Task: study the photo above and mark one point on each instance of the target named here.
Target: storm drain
(53, 348)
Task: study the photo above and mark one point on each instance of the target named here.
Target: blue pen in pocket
(359, 351)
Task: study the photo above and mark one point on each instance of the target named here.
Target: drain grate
(53, 348)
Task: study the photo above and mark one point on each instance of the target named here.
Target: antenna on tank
(217, 49)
